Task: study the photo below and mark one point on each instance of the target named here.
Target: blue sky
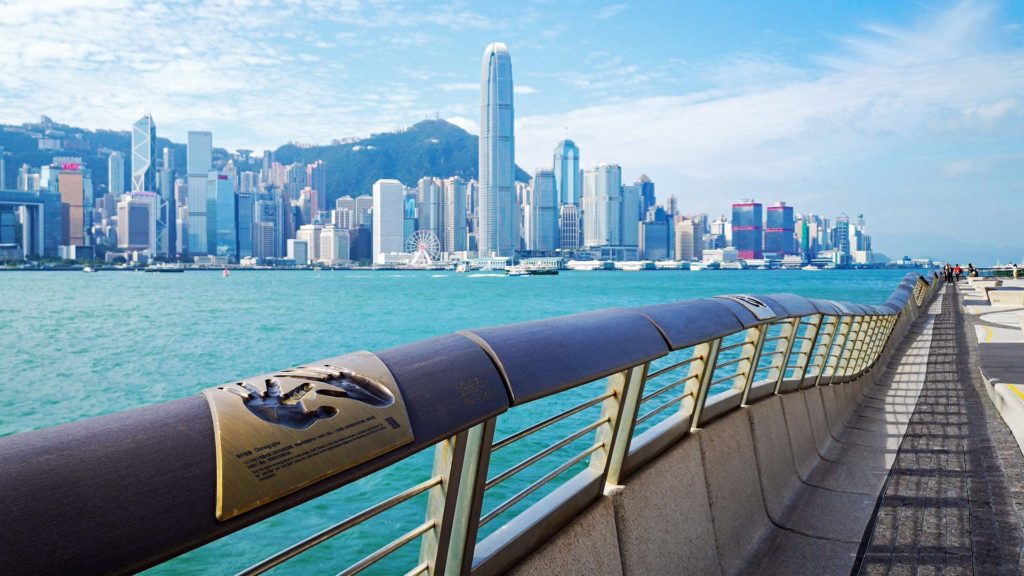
(911, 113)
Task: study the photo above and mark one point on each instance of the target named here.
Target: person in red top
(958, 271)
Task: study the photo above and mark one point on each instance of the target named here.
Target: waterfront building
(267, 216)
(136, 222)
(3, 170)
(225, 218)
(310, 234)
(181, 230)
(73, 182)
(656, 236)
(388, 219)
(200, 163)
(631, 215)
(115, 174)
(541, 213)
(688, 241)
(779, 231)
(409, 213)
(747, 229)
(454, 215)
(841, 239)
(298, 251)
(568, 227)
(497, 231)
(334, 245)
(168, 237)
(144, 155)
(245, 203)
(602, 206)
(567, 173)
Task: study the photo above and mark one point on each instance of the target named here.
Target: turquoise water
(147, 338)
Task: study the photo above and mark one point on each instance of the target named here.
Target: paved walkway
(954, 498)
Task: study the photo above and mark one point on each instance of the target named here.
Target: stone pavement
(953, 501)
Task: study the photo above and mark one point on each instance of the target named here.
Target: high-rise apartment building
(144, 155)
(779, 231)
(541, 210)
(115, 174)
(567, 172)
(388, 219)
(747, 229)
(200, 195)
(497, 231)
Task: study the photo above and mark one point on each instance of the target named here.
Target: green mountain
(429, 148)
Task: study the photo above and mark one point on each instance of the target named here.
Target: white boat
(811, 268)
(226, 273)
(517, 271)
(88, 269)
(462, 267)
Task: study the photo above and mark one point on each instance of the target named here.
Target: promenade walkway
(953, 501)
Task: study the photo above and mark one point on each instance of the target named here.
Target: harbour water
(80, 345)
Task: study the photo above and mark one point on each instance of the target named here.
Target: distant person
(971, 270)
(1014, 271)
(958, 271)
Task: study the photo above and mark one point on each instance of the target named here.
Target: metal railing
(527, 424)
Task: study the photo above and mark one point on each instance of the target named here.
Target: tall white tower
(498, 232)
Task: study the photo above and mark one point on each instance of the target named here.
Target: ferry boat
(462, 268)
(164, 268)
(88, 269)
(811, 268)
(521, 270)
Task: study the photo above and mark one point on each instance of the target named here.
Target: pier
(743, 434)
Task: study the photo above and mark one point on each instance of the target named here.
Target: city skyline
(880, 102)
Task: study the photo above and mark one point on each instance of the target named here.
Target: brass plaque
(279, 432)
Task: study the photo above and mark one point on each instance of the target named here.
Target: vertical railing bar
(806, 362)
(622, 431)
(707, 371)
(794, 327)
(751, 368)
(469, 498)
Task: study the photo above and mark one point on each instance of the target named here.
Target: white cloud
(459, 86)
(611, 11)
(521, 89)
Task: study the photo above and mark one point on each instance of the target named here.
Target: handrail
(155, 471)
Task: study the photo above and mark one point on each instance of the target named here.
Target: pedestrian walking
(1014, 271)
(958, 271)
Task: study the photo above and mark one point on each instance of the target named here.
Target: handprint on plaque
(287, 409)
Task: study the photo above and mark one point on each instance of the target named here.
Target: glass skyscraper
(201, 235)
(567, 173)
(144, 155)
(497, 231)
(747, 229)
(779, 231)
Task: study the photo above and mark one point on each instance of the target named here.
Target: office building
(497, 232)
(747, 229)
(645, 188)
(316, 181)
(429, 213)
(688, 241)
(568, 227)
(136, 222)
(779, 231)
(334, 245)
(455, 215)
(144, 155)
(602, 206)
(541, 210)
(388, 219)
(310, 234)
(200, 195)
(567, 173)
(298, 251)
(246, 204)
(115, 174)
(225, 219)
(657, 236)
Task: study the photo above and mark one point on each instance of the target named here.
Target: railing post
(755, 337)
(851, 355)
(781, 362)
(709, 350)
(465, 500)
(835, 349)
(806, 352)
(621, 409)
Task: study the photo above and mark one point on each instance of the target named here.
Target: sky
(910, 113)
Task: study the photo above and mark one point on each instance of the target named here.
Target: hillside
(429, 148)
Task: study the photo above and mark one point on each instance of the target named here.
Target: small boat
(226, 273)
(462, 267)
(164, 268)
(517, 271)
(88, 269)
(811, 268)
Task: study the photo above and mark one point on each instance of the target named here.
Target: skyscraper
(542, 213)
(3, 169)
(567, 173)
(316, 179)
(646, 189)
(779, 230)
(602, 206)
(144, 155)
(200, 162)
(497, 232)
(388, 219)
(747, 228)
(115, 174)
(454, 215)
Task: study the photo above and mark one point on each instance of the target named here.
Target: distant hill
(429, 148)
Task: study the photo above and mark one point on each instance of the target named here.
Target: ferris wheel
(424, 247)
